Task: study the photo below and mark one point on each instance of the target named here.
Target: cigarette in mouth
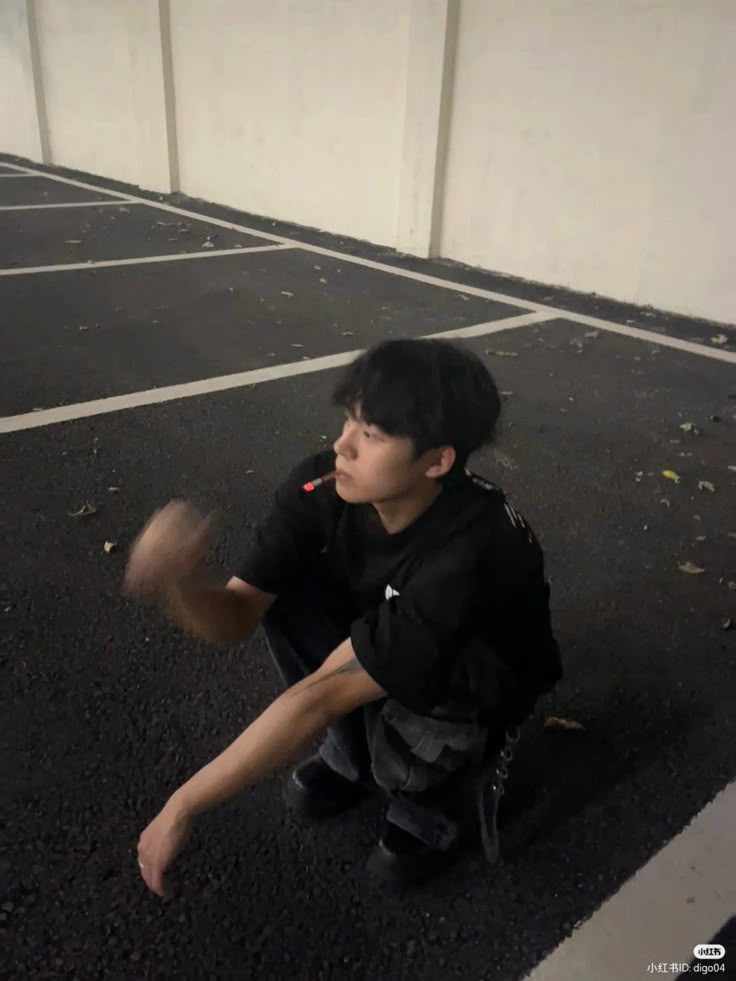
(314, 484)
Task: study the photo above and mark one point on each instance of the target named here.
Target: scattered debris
(719, 339)
(249, 471)
(207, 244)
(85, 511)
(733, 469)
(700, 538)
(318, 268)
(592, 334)
(507, 395)
(73, 241)
(688, 427)
(286, 293)
(665, 501)
(638, 475)
(297, 345)
(113, 490)
(691, 568)
(323, 280)
(502, 354)
(706, 485)
(83, 327)
(567, 725)
(271, 354)
(671, 475)
(126, 210)
(110, 547)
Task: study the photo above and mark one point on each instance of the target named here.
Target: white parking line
(205, 386)
(138, 260)
(493, 326)
(62, 204)
(679, 899)
(636, 333)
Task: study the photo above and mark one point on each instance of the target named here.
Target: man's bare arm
(284, 729)
(220, 616)
(278, 736)
(164, 566)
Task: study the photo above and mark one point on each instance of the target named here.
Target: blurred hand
(159, 845)
(168, 551)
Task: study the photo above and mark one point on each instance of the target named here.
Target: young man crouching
(404, 602)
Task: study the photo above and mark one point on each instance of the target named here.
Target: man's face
(373, 466)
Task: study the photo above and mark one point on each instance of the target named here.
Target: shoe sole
(390, 870)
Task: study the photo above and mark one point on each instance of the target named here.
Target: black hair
(430, 390)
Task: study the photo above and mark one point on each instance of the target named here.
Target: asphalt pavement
(621, 452)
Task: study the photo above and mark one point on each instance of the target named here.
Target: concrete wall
(584, 144)
(103, 83)
(593, 145)
(19, 128)
(294, 109)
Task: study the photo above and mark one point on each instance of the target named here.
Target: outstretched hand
(168, 551)
(160, 844)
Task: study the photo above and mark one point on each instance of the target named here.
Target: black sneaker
(315, 791)
(400, 859)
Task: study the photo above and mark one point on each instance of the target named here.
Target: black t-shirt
(468, 572)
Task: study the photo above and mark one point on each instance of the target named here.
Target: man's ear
(442, 462)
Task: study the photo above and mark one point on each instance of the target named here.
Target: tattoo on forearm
(352, 666)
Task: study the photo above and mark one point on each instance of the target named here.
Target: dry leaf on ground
(85, 511)
(690, 568)
(569, 725)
